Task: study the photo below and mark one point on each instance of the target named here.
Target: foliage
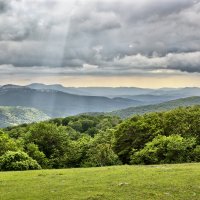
(52, 140)
(140, 110)
(136, 132)
(100, 155)
(90, 141)
(165, 149)
(15, 115)
(34, 152)
(17, 161)
(7, 143)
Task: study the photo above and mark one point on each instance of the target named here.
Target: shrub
(196, 154)
(17, 161)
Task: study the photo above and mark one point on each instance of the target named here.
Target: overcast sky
(143, 43)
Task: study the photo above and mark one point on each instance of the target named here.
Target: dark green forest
(94, 141)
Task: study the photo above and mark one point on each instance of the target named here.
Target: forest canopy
(94, 141)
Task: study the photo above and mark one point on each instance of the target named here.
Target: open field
(158, 182)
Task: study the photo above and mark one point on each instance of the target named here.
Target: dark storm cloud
(186, 62)
(119, 37)
(3, 6)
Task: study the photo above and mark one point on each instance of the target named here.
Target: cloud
(4, 5)
(186, 62)
(120, 37)
(171, 64)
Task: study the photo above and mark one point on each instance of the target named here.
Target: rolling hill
(10, 116)
(125, 113)
(60, 104)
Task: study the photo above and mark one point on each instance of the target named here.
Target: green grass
(159, 182)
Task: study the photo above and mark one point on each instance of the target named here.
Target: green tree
(100, 155)
(33, 151)
(135, 132)
(165, 149)
(8, 144)
(52, 140)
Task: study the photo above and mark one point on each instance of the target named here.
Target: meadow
(150, 182)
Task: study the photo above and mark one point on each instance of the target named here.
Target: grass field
(159, 182)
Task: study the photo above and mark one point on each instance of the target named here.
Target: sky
(140, 43)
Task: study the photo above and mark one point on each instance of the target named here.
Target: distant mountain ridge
(123, 101)
(143, 95)
(59, 104)
(93, 91)
(183, 102)
(10, 116)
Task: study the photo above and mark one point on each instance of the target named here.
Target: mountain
(151, 98)
(144, 96)
(124, 113)
(93, 91)
(59, 104)
(10, 116)
(184, 92)
(58, 87)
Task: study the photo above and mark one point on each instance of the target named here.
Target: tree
(7, 143)
(135, 132)
(100, 155)
(53, 141)
(33, 151)
(163, 149)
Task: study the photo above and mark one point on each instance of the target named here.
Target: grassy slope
(18, 115)
(124, 113)
(161, 182)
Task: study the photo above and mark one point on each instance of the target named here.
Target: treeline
(90, 141)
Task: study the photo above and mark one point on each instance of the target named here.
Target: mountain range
(59, 104)
(143, 95)
(36, 102)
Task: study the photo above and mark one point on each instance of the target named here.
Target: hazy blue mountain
(57, 104)
(144, 96)
(10, 116)
(58, 87)
(124, 113)
(94, 91)
(183, 92)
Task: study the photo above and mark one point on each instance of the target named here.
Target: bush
(196, 154)
(17, 161)
(163, 149)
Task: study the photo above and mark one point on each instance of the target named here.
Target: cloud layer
(99, 37)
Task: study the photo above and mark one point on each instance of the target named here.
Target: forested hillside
(10, 116)
(87, 141)
(128, 112)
